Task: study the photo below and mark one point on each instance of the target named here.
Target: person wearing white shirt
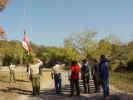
(56, 75)
(34, 71)
(12, 69)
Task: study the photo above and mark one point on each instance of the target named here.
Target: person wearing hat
(34, 69)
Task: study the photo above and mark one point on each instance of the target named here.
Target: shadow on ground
(16, 90)
(4, 81)
(18, 80)
(49, 94)
(19, 91)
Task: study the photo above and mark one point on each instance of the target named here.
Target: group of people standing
(99, 72)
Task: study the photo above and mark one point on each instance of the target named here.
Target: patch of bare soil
(23, 86)
(9, 91)
(122, 86)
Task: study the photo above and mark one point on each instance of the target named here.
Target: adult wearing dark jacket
(85, 76)
(96, 75)
(104, 75)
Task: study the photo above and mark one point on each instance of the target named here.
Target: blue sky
(48, 22)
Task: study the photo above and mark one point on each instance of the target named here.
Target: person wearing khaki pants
(36, 84)
(35, 76)
(12, 72)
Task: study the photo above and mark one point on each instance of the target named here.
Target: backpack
(85, 68)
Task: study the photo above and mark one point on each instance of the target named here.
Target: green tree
(82, 42)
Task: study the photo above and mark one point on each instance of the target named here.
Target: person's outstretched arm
(40, 62)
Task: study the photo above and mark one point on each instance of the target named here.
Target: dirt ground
(21, 90)
(9, 91)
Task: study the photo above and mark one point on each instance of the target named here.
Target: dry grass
(4, 85)
(13, 90)
(22, 85)
(122, 81)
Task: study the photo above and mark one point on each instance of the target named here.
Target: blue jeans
(57, 79)
(105, 86)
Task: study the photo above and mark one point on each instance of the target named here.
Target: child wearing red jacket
(75, 69)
